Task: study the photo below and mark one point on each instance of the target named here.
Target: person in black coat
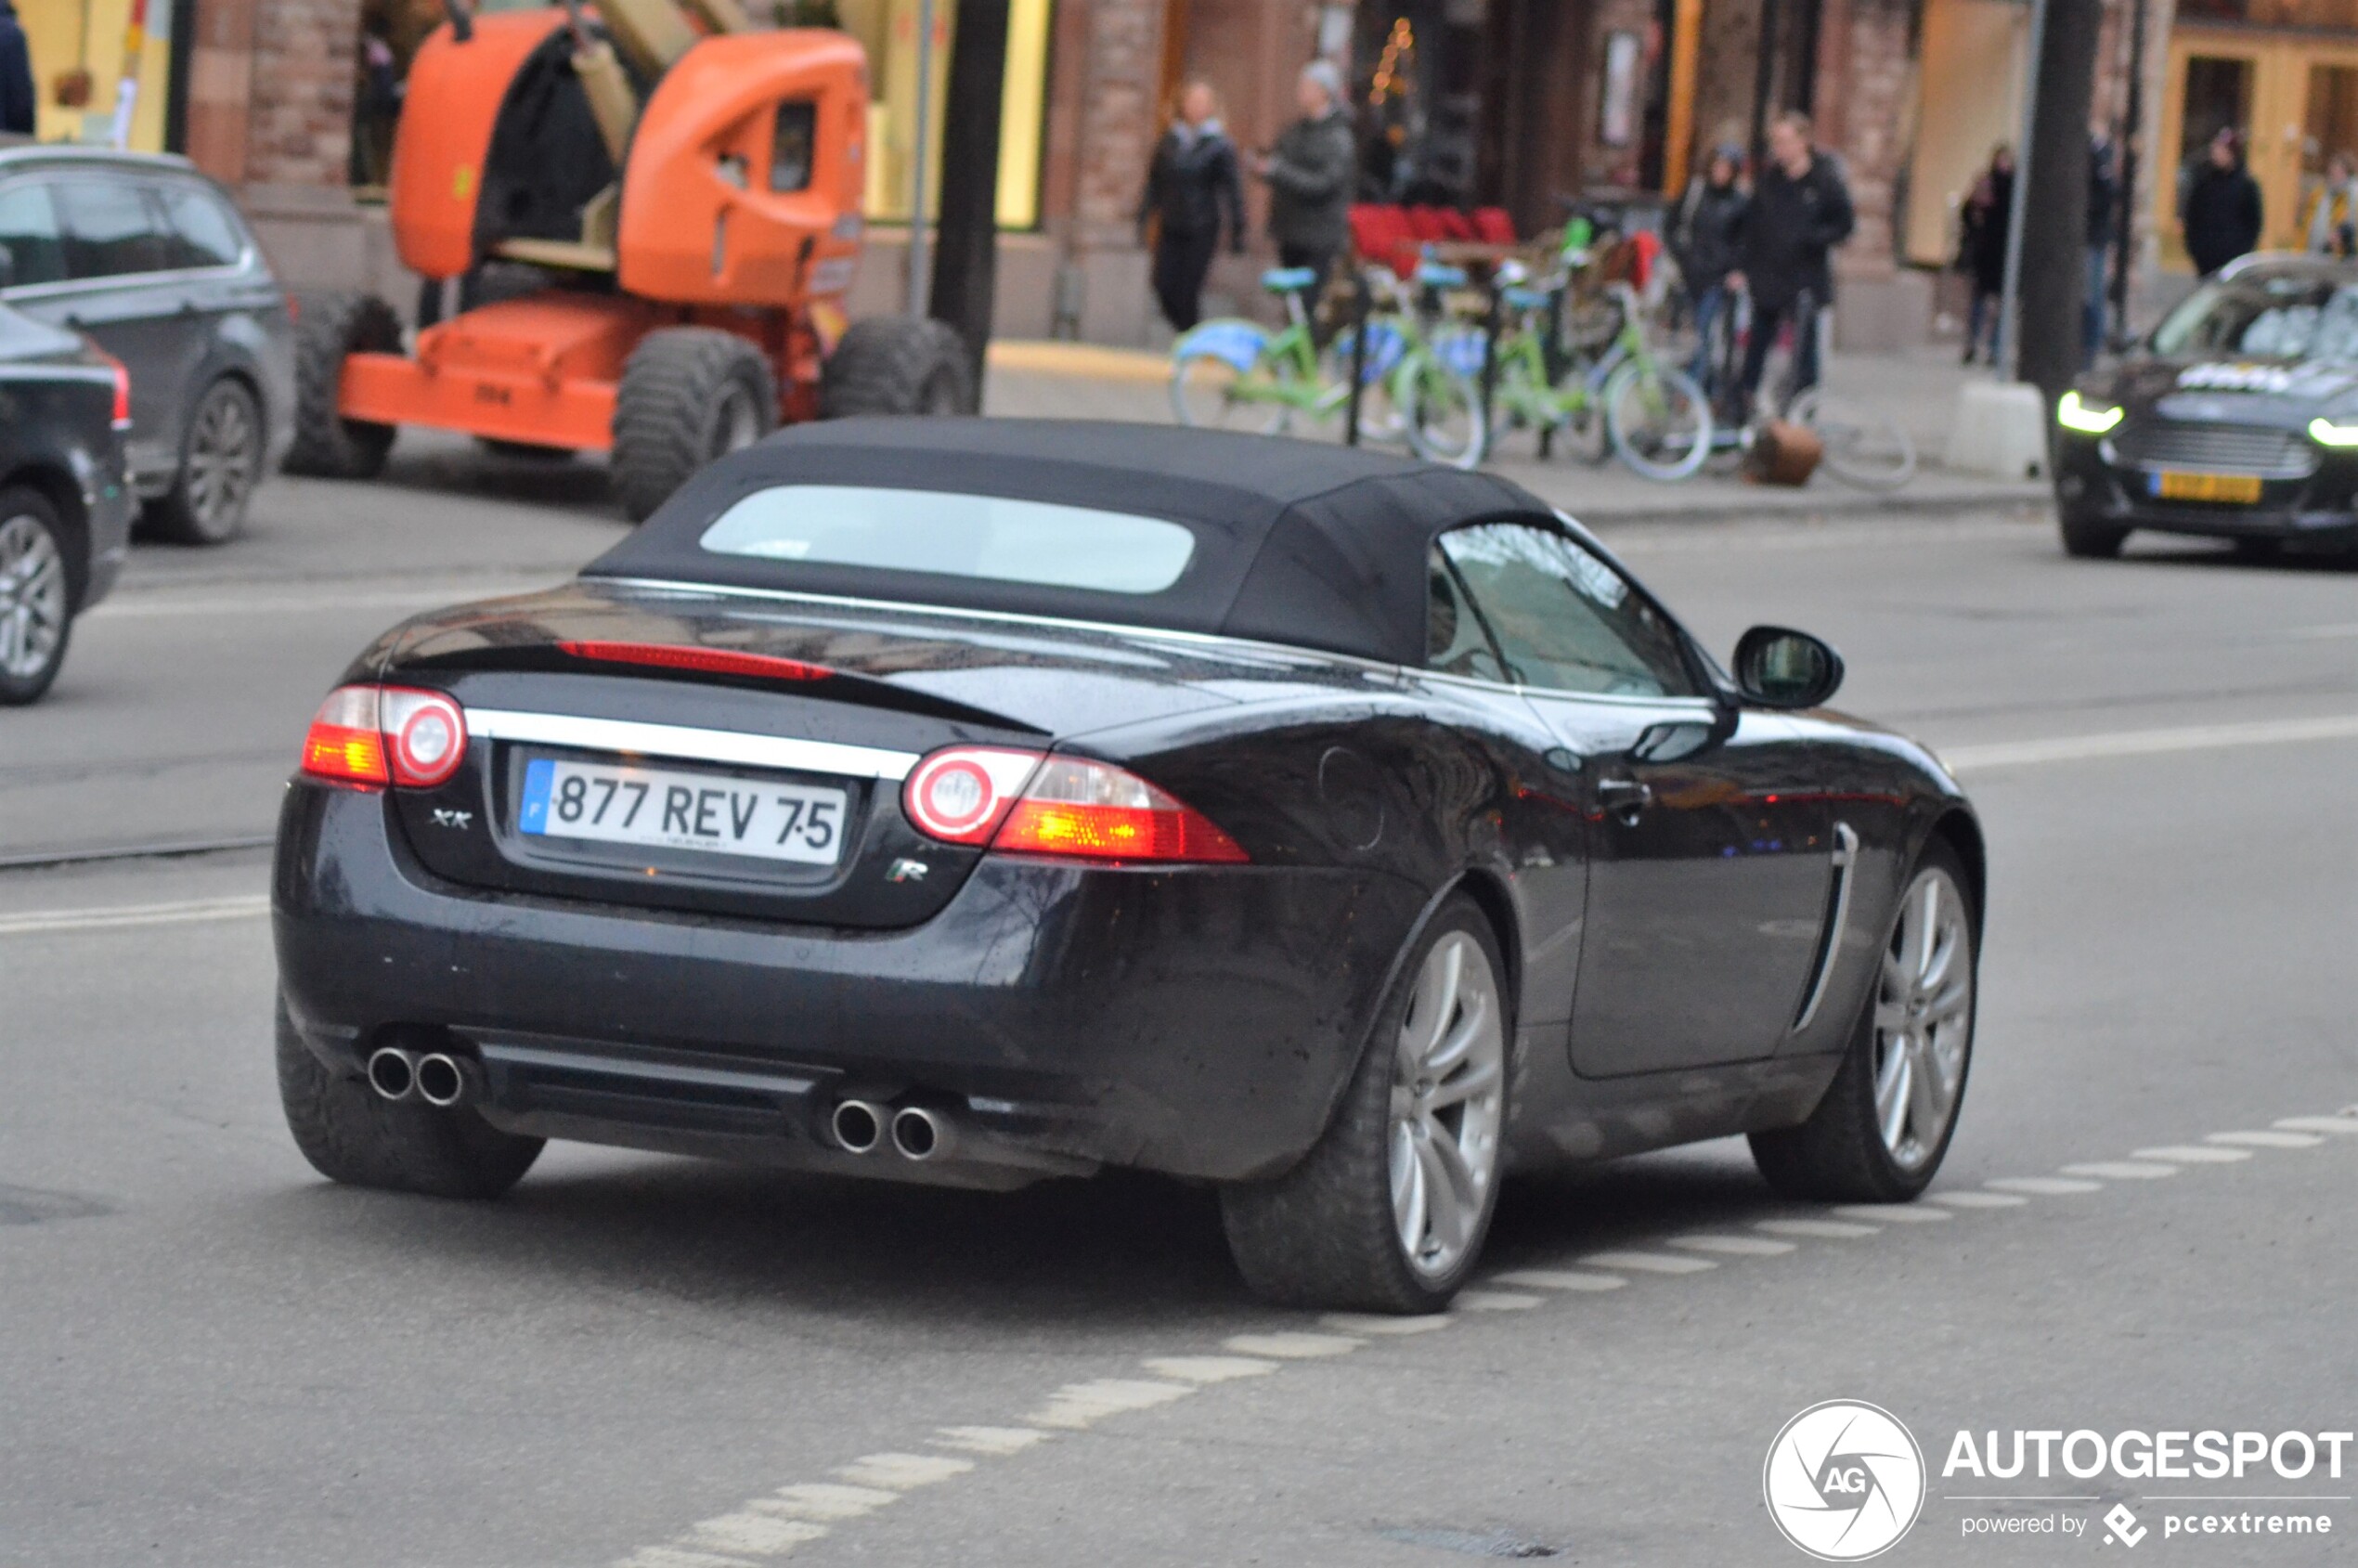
(1800, 212)
(18, 102)
(2220, 213)
(1987, 221)
(1312, 171)
(1707, 236)
(1193, 188)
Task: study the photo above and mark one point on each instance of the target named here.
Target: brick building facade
(1909, 93)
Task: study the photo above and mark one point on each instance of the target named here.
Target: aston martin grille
(2216, 449)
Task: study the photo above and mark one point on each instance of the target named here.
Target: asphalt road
(208, 1357)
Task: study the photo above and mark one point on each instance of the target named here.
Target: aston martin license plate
(2175, 484)
(675, 810)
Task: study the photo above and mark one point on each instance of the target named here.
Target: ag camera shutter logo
(1844, 1481)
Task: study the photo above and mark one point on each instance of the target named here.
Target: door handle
(1623, 798)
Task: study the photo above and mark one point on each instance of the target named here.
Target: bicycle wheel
(1382, 420)
(1444, 409)
(1210, 392)
(1658, 420)
(1863, 447)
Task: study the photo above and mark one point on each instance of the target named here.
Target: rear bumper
(1199, 1022)
(2322, 506)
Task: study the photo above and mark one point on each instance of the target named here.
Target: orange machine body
(740, 209)
(438, 152)
(744, 181)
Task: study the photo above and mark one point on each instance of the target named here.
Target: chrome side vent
(1845, 859)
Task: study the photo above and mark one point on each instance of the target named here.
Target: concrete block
(2000, 429)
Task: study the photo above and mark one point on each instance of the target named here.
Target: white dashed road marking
(2149, 743)
(773, 1525)
(42, 922)
(2194, 1154)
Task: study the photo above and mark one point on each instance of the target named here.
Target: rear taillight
(122, 416)
(703, 661)
(1019, 802)
(961, 796)
(369, 735)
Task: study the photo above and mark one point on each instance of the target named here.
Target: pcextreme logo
(1844, 1481)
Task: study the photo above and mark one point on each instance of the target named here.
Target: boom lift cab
(682, 207)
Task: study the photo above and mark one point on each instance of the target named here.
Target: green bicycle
(1238, 374)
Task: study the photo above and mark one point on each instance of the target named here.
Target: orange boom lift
(653, 219)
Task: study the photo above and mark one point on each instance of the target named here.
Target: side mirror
(1777, 667)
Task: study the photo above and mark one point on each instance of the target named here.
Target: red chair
(1426, 223)
(1455, 225)
(1493, 226)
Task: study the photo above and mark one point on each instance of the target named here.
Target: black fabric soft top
(1308, 545)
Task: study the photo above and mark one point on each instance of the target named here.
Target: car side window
(1565, 620)
(791, 143)
(197, 231)
(28, 229)
(1455, 641)
(110, 230)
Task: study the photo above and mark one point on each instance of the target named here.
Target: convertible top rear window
(938, 531)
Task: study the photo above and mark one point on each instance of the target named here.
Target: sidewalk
(1085, 381)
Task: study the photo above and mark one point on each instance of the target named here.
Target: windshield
(2261, 317)
(949, 534)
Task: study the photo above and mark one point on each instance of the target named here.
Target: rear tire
(689, 395)
(898, 365)
(1843, 1153)
(325, 444)
(2090, 541)
(36, 595)
(221, 462)
(1332, 1231)
(353, 1134)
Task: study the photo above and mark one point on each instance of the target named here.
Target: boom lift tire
(331, 327)
(689, 395)
(898, 365)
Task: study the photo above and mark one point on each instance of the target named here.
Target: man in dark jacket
(1706, 235)
(1193, 191)
(2220, 214)
(1311, 172)
(1800, 212)
(18, 102)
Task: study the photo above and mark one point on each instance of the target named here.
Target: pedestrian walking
(1800, 212)
(19, 103)
(1985, 222)
(377, 106)
(2103, 213)
(1193, 193)
(2219, 215)
(1706, 235)
(1312, 171)
(2332, 227)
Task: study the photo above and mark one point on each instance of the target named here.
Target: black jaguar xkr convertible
(977, 801)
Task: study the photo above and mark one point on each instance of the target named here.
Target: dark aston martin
(2237, 419)
(977, 801)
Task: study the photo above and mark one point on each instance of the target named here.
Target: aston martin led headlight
(2073, 414)
(2324, 432)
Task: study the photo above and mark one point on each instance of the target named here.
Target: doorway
(2294, 98)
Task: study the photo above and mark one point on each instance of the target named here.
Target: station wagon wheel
(35, 599)
(1886, 1121)
(1388, 1211)
(221, 461)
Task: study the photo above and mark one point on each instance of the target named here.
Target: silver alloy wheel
(1923, 1019)
(1447, 1093)
(223, 455)
(33, 597)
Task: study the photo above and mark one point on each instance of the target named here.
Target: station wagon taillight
(1026, 802)
(372, 735)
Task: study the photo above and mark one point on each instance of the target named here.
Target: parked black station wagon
(980, 801)
(148, 257)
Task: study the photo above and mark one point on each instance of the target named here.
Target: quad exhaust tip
(919, 1134)
(393, 1074)
(859, 1126)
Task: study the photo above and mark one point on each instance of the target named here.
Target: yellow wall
(64, 34)
(1971, 79)
(888, 28)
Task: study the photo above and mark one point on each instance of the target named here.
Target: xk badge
(443, 818)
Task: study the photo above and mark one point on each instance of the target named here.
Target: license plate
(660, 808)
(2171, 485)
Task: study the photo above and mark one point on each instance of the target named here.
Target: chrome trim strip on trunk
(1845, 858)
(689, 745)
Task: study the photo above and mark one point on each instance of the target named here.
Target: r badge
(906, 869)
